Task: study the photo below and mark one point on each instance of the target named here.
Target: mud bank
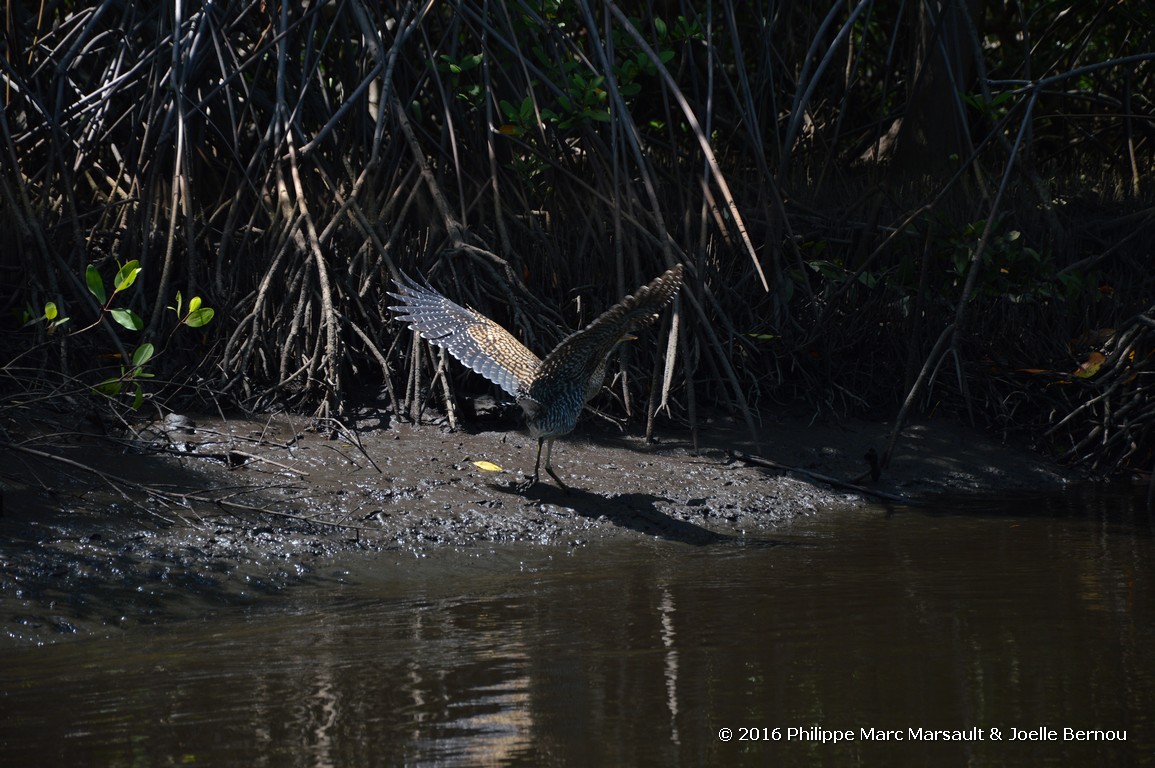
(229, 512)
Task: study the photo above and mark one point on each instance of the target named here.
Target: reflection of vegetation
(858, 204)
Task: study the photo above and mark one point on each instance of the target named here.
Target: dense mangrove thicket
(882, 205)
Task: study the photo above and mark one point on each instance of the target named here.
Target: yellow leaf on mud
(488, 466)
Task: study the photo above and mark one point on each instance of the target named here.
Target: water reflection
(1034, 614)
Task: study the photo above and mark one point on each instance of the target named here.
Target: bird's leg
(537, 462)
(549, 466)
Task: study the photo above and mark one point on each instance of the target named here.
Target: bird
(550, 391)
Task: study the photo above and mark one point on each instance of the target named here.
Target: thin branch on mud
(117, 484)
(120, 484)
(928, 364)
(354, 439)
(760, 461)
(264, 460)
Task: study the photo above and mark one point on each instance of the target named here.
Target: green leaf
(177, 308)
(50, 311)
(827, 269)
(1071, 282)
(128, 319)
(110, 387)
(127, 275)
(95, 284)
(194, 304)
(199, 317)
(138, 400)
(142, 354)
(962, 260)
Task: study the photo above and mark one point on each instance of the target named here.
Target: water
(1030, 613)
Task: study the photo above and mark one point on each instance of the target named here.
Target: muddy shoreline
(230, 511)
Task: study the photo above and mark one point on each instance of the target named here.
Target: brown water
(1021, 614)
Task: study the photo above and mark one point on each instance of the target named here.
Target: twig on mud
(254, 457)
(119, 484)
(759, 461)
(352, 437)
(915, 389)
(230, 506)
(110, 479)
(262, 440)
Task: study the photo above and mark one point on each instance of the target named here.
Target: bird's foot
(528, 483)
(556, 479)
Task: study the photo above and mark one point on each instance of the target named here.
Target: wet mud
(174, 518)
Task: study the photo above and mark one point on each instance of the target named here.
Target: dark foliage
(868, 215)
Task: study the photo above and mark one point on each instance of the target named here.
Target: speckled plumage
(552, 391)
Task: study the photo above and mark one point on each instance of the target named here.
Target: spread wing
(579, 356)
(471, 337)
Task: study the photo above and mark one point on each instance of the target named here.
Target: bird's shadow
(636, 511)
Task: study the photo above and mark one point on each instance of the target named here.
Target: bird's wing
(578, 355)
(469, 336)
